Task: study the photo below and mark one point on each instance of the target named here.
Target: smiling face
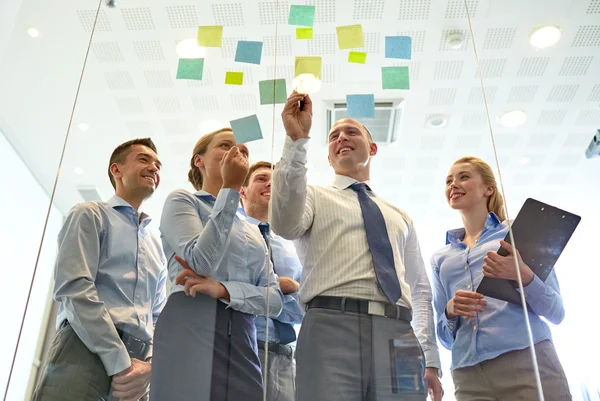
(350, 148)
(258, 191)
(139, 173)
(465, 188)
(209, 163)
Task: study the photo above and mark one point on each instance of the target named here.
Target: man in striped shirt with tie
(363, 282)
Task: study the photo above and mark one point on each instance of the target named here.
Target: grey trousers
(509, 377)
(72, 372)
(351, 357)
(281, 377)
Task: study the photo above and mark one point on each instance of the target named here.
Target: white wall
(23, 208)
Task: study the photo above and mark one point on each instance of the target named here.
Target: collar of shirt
(118, 203)
(456, 236)
(343, 181)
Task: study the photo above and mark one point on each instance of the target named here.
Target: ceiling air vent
(385, 127)
(90, 193)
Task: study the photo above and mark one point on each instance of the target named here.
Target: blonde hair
(495, 201)
(195, 175)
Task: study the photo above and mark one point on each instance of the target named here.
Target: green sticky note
(190, 68)
(395, 78)
(246, 129)
(302, 15)
(272, 91)
(210, 36)
(304, 33)
(357, 57)
(308, 65)
(234, 78)
(350, 37)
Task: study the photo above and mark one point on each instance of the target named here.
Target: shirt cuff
(295, 151)
(536, 287)
(236, 295)
(116, 361)
(228, 200)
(432, 360)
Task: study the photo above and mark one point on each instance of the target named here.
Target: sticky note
(234, 78)
(272, 91)
(357, 57)
(395, 78)
(398, 47)
(361, 106)
(210, 36)
(302, 15)
(248, 52)
(246, 129)
(190, 68)
(350, 37)
(304, 33)
(308, 65)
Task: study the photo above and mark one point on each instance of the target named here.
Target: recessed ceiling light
(512, 119)
(78, 170)
(437, 121)
(306, 84)
(545, 36)
(188, 48)
(210, 125)
(524, 160)
(83, 126)
(455, 40)
(34, 33)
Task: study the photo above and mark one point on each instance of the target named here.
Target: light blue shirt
(286, 264)
(501, 327)
(219, 243)
(110, 271)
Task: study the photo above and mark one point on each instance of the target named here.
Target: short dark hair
(122, 151)
(255, 167)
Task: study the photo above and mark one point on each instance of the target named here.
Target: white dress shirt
(328, 230)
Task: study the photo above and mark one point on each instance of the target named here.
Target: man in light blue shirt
(110, 278)
(280, 375)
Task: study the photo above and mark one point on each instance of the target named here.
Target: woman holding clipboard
(487, 336)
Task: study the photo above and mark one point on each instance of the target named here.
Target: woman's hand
(194, 283)
(465, 303)
(234, 169)
(496, 266)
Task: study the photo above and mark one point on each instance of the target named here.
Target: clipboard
(541, 233)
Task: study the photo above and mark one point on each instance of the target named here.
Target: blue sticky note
(398, 47)
(361, 106)
(248, 52)
(246, 129)
(302, 15)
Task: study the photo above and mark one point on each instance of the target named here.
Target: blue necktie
(379, 244)
(287, 334)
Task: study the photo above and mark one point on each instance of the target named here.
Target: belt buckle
(376, 308)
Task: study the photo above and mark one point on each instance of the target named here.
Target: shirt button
(469, 286)
(466, 267)
(474, 328)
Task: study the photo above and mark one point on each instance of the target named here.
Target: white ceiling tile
(551, 118)
(577, 140)
(428, 163)
(476, 95)
(568, 160)
(506, 141)
(271, 12)
(491, 67)
(524, 180)
(522, 94)
(444, 44)
(205, 103)
(419, 198)
(414, 67)
(158, 79)
(284, 46)
(138, 19)
(87, 17)
(555, 179)
(329, 73)
(587, 36)
(413, 10)
(474, 120)
(175, 126)
(323, 44)
(368, 10)
(167, 104)
(392, 163)
(130, 105)
(148, 50)
(595, 93)
(432, 142)
(499, 38)
(418, 39)
(244, 102)
(535, 160)
(119, 80)
(442, 96)
(206, 81)
(285, 71)
(448, 70)
(373, 43)
(228, 14)
(325, 11)
(588, 117)
(184, 16)
(468, 141)
(139, 129)
(562, 93)
(541, 141)
(457, 9)
(533, 66)
(107, 52)
(576, 66)
(594, 7)
(229, 46)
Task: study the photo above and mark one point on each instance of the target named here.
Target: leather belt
(361, 306)
(280, 349)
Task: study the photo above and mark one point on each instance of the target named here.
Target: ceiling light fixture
(78, 170)
(188, 48)
(83, 126)
(513, 118)
(455, 40)
(210, 126)
(545, 36)
(306, 84)
(524, 160)
(437, 121)
(34, 33)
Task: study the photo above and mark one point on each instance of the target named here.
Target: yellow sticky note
(350, 37)
(234, 78)
(304, 33)
(357, 57)
(210, 36)
(308, 65)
